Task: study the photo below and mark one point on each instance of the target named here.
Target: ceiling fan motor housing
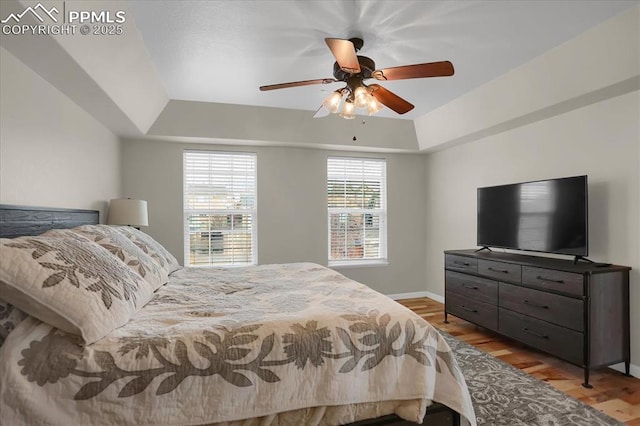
(357, 43)
(367, 66)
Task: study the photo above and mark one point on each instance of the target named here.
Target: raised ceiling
(222, 51)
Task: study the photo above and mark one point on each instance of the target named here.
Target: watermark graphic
(33, 11)
(68, 22)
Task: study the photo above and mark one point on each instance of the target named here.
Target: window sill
(223, 266)
(347, 264)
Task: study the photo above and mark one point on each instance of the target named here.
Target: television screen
(546, 216)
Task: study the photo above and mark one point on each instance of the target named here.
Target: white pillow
(125, 250)
(158, 253)
(70, 282)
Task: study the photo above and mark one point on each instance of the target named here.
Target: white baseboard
(415, 295)
(435, 297)
(634, 370)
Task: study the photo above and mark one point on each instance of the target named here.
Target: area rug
(504, 395)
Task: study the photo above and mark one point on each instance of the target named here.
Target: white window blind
(219, 208)
(357, 210)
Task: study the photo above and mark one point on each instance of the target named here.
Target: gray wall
(201, 122)
(52, 152)
(292, 211)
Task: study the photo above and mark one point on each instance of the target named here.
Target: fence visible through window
(219, 208)
(356, 200)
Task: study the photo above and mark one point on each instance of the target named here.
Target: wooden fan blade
(345, 54)
(298, 83)
(390, 99)
(431, 69)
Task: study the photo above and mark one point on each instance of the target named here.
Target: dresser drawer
(558, 341)
(548, 279)
(560, 310)
(499, 270)
(460, 263)
(471, 310)
(475, 288)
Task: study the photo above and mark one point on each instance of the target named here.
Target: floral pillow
(125, 250)
(70, 282)
(10, 317)
(163, 258)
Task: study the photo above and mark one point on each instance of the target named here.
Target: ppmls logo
(34, 12)
(52, 22)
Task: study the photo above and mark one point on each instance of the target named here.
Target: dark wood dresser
(577, 312)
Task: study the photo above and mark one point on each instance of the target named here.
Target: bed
(118, 333)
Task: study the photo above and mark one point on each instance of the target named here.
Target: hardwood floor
(612, 393)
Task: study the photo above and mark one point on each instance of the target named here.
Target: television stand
(578, 312)
(483, 248)
(581, 258)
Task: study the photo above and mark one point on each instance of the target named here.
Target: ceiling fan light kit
(354, 69)
(348, 110)
(361, 96)
(332, 102)
(373, 105)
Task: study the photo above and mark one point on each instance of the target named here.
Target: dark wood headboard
(16, 221)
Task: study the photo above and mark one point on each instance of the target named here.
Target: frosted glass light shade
(373, 105)
(332, 102)
(125, 211)
(348, 111)
(361, 96)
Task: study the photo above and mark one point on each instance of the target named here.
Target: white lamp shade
(125, 211)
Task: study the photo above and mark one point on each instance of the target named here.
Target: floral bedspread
(219, 345)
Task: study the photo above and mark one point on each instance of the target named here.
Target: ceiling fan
(353, 70)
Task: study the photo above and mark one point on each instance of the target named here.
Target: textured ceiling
(222, 51)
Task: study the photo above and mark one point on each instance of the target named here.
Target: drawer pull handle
(457, 262)
(535, 305)
(472, 287)
(540, 277)
(504, 271)
(542, 336)
(468, 309)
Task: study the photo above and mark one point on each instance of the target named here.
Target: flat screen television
(544, 216)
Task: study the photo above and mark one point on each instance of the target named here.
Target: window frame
(252, 212)
(382, 212)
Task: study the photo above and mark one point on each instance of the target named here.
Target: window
(357, 210)
(219, 208)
